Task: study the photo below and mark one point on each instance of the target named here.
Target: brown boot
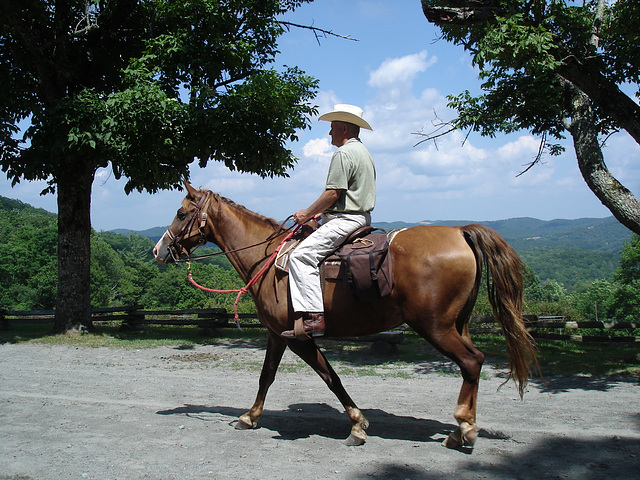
(313, 326)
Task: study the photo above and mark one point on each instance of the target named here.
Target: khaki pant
(304, 274)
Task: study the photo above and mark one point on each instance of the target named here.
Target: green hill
(152, 233)
(12, 204)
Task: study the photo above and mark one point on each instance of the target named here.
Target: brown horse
(437, 273)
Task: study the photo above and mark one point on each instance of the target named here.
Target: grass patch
(568, 358)
(111, 336)
(413, 355)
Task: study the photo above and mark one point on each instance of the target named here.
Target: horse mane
(270, 221)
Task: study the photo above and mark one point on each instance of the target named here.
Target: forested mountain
(13, 204)
(153, 234)
(123, 270)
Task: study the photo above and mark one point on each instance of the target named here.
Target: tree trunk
(618, 199)
(73, 305)
(605, 94)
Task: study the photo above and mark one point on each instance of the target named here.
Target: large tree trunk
(618, 199)
(73, 306)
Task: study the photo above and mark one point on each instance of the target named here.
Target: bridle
(180, 254)
(199, 217)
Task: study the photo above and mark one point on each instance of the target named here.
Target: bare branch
(442, 128)
(537, 159)
(603, 143)
(318, 32)
(90, 18)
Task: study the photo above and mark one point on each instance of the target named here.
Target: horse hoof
(245, 423)
(454, 440)
(451, 442)
(469, 434)
(463, 436)
(356, 440)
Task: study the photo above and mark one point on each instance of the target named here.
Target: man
(345, 205)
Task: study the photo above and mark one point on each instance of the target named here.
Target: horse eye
(181, 215)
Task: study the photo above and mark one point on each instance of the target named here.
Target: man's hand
(302, 216)
(326, 200)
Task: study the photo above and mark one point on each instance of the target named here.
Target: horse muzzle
(162, 252)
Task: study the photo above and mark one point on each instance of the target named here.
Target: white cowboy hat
(348, 114)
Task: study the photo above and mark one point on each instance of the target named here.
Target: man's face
(338, 133)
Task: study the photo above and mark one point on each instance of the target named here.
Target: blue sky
(400, 74)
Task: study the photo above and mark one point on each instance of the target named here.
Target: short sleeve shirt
(352, 170)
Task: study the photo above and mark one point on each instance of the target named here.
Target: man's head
(342, 131)
(346, 121)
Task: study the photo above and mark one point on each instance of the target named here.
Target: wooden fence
(562, 328)
(135, 317)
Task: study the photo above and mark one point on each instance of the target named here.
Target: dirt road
(165, 413)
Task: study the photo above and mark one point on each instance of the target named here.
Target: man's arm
(324, 201)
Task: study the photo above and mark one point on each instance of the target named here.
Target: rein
(281, 228)
(251, 282)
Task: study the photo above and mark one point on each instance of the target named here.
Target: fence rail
(136, 317)
(559, 328)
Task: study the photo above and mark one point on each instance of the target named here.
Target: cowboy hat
(348, 114)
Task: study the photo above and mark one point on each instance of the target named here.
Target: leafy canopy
(520, 52)
(146, 86)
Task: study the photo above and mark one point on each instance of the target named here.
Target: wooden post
(4, 321)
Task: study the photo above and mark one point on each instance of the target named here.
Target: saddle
(361, 262)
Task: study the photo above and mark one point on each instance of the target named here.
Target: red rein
(252, 282)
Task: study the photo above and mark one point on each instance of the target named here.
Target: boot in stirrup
(313, 326)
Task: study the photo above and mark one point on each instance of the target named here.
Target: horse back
(431, 261)
(434, 269)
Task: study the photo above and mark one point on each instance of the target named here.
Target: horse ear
(190, 190)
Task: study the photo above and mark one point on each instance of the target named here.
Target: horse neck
(237, 228)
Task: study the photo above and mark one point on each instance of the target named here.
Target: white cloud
(395, 73)
(319, 149)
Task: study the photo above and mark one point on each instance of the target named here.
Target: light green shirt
(352, 170)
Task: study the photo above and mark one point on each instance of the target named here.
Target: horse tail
(505, 287)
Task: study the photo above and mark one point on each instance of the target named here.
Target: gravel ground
(167, 413)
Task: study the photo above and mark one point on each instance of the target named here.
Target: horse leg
(312, 355)
(460, 349)
(275, 349)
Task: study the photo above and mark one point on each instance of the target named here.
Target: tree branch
(461, 11)
(537, 159)
(597, 23)
(613, 195)
(318, 32)
(437, 133)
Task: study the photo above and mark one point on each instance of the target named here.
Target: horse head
(187, 229)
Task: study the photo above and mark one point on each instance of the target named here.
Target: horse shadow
(563, 384)
(303, 420)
